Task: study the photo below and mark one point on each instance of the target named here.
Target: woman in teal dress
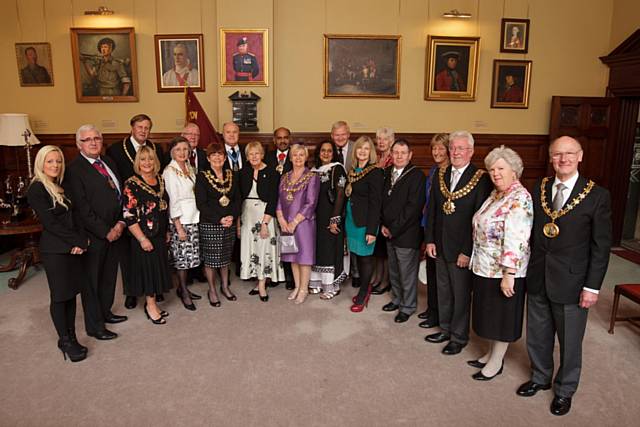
(364, 192)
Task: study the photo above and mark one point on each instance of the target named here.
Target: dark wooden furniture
(631, 291)
(28, 255)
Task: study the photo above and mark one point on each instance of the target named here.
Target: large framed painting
(179, 62)
(361, 66)
(451, 68)
(34, 64)
(511, 84)
(514, 35)
(104, 64)
(245, 54)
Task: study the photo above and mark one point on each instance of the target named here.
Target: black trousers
(432, 287)
(63, 314)
(454, 299)
(101, 268)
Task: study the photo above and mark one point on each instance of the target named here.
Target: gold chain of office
(449, 207)
(124, 147)
(146, 187)
(222, 186)
(292, 188)
(551, 229)
(355, 177)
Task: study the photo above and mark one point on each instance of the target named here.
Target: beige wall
(567, 37)
(626, 20)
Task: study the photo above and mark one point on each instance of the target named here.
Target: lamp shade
(12, 128)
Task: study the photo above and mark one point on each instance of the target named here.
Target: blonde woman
(61, 246)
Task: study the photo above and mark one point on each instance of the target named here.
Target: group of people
(358, 208)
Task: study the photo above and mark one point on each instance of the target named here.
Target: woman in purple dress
(297, 200)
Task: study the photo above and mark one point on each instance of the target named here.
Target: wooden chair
(631, 291)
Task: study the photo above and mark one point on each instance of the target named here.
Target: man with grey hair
(235, 155)
(94, 187)
(457, 193)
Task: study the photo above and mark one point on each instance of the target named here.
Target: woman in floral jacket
(501, 230)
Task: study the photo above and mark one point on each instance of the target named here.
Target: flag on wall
(196, 114)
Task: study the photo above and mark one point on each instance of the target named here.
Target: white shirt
(136, 144)
(570, 183)
(460, 172)
(229, 149)
(345, 153)
(278, 152)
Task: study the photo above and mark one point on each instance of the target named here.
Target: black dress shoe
(115, 319)
(159, 297)
(401, 317)
(429, 323)
(290, 286)
(355, 282)
(130, 302)
(377, 290)
(530, 388)
(425, 314)
(103, 335)
(253, 292)
(560, 405)
(390, 306)
(194, 296)
(479, 376)
(476, 364)
(264, 298)
(452, 348)
(438, 337)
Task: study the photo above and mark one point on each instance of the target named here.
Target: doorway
(631, 225)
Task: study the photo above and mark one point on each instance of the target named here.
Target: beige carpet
(277, 364)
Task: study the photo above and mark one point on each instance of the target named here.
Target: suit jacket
(60, 233)
(96, 206)
(347, 159)
(207, 200)
(243, 158)
(268, 180)
(453, 234)
(202, 164)
(124, 164)
(271, 160)
(402, 206)
(366, 201)
(578, 257)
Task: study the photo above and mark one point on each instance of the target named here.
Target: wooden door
(590, 120)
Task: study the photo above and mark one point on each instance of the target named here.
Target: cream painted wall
(626, 20)
(567, 37)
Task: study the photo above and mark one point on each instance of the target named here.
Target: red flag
(196, 114)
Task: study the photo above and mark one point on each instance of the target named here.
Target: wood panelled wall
(532, 149)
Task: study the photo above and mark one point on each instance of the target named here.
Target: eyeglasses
(570, 155)
(94, 139)
(456, 149)
(190, 134)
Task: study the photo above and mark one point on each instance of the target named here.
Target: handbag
(288, 244)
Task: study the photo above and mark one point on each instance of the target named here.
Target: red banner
(196, 114)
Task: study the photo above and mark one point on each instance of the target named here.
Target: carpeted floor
(250, 363)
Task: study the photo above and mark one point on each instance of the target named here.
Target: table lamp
(15, 131)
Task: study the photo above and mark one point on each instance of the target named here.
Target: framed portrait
(244, 59)
(361, 66)
(179, 62)
(451, 68)
(511, 84)
(34, 64)
(514, 35)
(104, 64)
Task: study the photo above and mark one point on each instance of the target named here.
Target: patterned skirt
(185, 255)
(216, 244)
(259, 257)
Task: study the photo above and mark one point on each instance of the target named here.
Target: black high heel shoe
(160, 321)
(476, 364)
(264, 298)
(230, 296)
(164, 313)
(68, 348)
(190, 307)
(479, 376)
(211, 303)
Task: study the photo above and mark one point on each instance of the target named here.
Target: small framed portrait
(511, 84)
(451, 68)
(514, 35)
(179, 62)
(34, 64)
(244, 59)
(361, 66)
(104, 64)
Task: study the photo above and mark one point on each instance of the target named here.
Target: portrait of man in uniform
(179, 62)
(104, 63)
(34, 64)
(244, 57)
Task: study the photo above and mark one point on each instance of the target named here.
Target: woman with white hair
(501, 231)
(61, 246)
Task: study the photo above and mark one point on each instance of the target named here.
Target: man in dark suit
(570, 246)
(403, 198)
(123, 154)
(457, 193)
(197, 157)
(94, 187)
(236, 158)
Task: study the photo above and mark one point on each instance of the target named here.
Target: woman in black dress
(218, 200)
(61, 247)
(328, 273)
(146, 215)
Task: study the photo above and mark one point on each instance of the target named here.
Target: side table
(28, 255)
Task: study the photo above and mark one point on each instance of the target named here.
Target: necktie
(454, 178)
(394, 177)
(234, 160)
(558, 200)
(281, 157)
(340, 155)
(192, 158)
(99, 166)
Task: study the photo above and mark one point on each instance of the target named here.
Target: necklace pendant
(163, 205)
(449, 207)
(224, 201)
(551, 230)
(279, 169)
(347, 190)
(290, 197)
